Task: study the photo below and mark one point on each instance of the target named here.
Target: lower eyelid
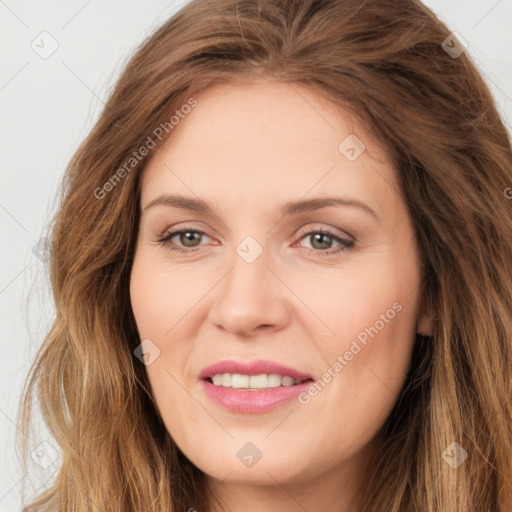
(166, 238)
(342, 245)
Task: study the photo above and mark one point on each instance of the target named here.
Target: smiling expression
(290, 249)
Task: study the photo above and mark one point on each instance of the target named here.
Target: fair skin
(246, 150)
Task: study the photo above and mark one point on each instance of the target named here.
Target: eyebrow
(289, 208)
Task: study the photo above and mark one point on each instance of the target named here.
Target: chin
(240, 460)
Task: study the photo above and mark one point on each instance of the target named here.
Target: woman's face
(252, 285)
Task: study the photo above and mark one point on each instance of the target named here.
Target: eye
(186, 236)
(189, 239)
(323, 239)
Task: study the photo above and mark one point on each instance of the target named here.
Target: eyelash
(165, 237)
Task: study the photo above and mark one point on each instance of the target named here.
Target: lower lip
(251, 402)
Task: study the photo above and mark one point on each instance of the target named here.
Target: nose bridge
(249, 279)
(250, 294)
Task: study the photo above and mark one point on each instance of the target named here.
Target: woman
(209, 352)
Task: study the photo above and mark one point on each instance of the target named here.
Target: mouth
(254, 382)
(254, 387)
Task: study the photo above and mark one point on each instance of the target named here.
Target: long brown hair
(386, 61)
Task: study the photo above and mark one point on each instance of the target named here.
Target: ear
(424, 325)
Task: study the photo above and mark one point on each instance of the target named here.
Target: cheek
(161, 297)
(367, 360)
(371, 319)
(160, 302)
(375, 308)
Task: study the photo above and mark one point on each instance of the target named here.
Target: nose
(250, 298)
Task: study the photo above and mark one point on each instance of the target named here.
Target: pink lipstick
(252, 387)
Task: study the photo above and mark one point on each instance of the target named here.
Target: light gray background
(48, 106)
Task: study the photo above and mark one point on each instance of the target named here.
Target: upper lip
(257, 367)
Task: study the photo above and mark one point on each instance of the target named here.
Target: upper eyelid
(170, 233)
(341, 233)
(343, 243)
(317, 226)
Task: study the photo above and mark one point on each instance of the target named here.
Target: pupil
(321, 235)
(188, 237)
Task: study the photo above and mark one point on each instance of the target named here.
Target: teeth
(238, 381)
(288, 381)
(258, 381)
(263, 381)
(274, 381)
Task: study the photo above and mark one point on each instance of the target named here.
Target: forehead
(272, 140)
